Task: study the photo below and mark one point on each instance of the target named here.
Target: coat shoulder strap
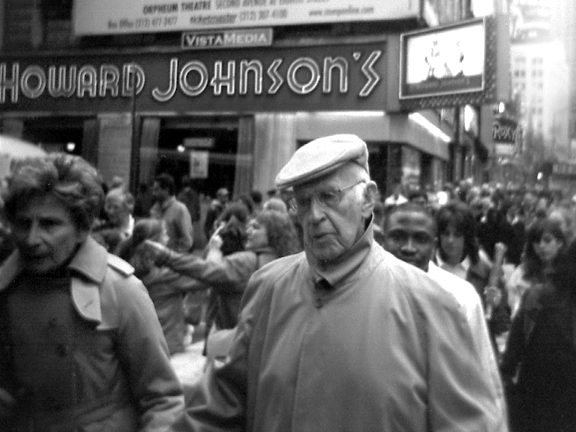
(120, 265)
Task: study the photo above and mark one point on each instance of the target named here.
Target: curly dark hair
(282, 237)
(564, 271)
(68, 178)
(132, 250)
(166, 181)
(233, 234)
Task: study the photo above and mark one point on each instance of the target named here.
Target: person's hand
(493, 296)
(7, 403)
(215, 246)
(216, 241)
(157, 250)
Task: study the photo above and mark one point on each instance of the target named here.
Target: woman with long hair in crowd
(539, 363)
(459, 253)
(544, 240)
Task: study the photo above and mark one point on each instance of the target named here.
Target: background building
(137, 91)
(542, 68)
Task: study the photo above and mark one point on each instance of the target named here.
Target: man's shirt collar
(347, 263)
(460, 269)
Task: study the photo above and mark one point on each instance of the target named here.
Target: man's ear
(370, 192)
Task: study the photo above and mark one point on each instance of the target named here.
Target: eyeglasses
(327, 198)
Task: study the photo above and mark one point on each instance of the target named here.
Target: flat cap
(322, 156)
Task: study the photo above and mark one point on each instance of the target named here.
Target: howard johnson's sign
(339, 77)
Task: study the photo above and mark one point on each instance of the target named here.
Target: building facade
(137, 104)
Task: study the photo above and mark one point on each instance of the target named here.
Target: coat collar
(90, 262)
(346, 264)
(10, 270)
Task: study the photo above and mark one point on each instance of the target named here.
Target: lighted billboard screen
(443, 60)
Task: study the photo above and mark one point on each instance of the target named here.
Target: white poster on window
(199, 164)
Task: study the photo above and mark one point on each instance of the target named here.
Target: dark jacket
(167, 290)
(539, 364)
(499, 322)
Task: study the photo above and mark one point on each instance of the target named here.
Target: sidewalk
(189, 365)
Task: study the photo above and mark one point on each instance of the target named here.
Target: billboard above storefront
(305, 78)
(443, 61)
(455, 65)
(104, 17)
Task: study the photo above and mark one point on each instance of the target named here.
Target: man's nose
(316, 210)
(409, 245)
(33, 236)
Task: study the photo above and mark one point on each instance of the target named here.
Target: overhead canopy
(17, 148)
(12, 148)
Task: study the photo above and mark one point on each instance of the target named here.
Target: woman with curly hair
(81, 347)
(269, 236)
(544, 241)
(275, 230)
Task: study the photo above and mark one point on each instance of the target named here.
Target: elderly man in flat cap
(344, 336)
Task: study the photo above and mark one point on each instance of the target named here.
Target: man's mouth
(319, 236)
(409, 260)
(33, 256)
(36, 257)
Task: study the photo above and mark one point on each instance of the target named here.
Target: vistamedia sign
(318, 78)
(227, 39)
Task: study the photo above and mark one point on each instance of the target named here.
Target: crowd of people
(330, 307)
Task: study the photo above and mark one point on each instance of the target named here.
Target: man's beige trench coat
(386, 349)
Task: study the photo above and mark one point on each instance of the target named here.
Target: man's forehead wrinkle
(316, 184)
(337, 179)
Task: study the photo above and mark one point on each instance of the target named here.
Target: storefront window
(205, 150)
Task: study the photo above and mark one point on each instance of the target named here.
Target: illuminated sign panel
(227, 39)
(506, 134)
(443, 61)
(564, 169)
(98, 17)
(317, 78)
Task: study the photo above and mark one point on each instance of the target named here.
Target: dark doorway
(180, 138)
(55, 134)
